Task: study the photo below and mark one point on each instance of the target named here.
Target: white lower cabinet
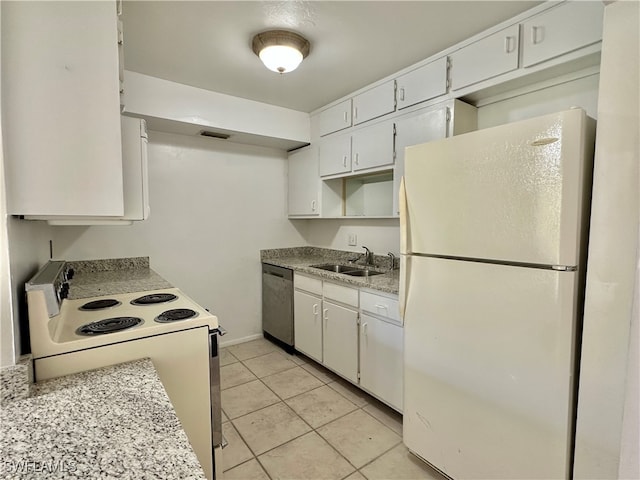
(381, 359)
(308, 324)
(340, 346)
(355, 333)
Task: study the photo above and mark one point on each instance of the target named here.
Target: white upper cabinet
(421, 84)
(362, 149)
(335, 118)
(374, 103)
(425, 125)
(372, 146)
(335, 155)
(61, 94)
(489, 57)
(304, 184)
(561, 30)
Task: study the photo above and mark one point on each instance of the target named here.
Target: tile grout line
(313, 429)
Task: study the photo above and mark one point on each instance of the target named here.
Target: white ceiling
(207, 44)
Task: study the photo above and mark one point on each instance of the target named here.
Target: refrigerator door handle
(403, 287)
(404, 221)
(404, 260)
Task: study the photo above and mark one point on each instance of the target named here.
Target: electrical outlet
(353, 239)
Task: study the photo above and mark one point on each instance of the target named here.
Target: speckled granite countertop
(300, 260)
(114, 422)
(94, 278)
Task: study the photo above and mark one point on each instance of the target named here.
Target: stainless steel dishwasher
(277, 305)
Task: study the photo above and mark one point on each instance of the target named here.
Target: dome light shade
(280, 58)
(280, 51)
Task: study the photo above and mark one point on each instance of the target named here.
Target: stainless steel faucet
(368, 257)
(392, 260)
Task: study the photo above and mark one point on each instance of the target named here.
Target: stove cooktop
(96, 321)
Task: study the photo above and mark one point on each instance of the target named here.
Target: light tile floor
(287, 417)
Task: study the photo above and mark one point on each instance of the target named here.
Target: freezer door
(489, 369)
(513, 193)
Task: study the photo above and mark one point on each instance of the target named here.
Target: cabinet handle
(344, 161)
(382, 307)
(535, 39)
(325, 314)
(402, 94)
(345, 116)
(357, 159)
(315, 309)
(364, 329)
(509, 44)
(355, 112)
(313, 205)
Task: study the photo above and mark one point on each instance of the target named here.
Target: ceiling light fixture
(280, 50)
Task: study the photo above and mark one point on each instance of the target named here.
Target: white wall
(606, 370)
(214, 205)
(381, 236)
(582, 93)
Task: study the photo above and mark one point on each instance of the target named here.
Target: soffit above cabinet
(176, 108)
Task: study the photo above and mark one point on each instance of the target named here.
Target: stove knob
(68, 274)
(64, 290)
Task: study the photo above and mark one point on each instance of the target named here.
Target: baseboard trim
(235, 341)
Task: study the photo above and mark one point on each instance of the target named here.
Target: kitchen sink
(362, 273)
(352, 270)
(335, 268)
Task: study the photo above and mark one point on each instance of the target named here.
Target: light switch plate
(353, 239)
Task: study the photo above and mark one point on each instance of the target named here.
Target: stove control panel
(53, 279)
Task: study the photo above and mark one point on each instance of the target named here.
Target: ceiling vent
(223, 136)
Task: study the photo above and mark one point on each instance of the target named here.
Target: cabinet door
(413, 130)
(335, 155)
(62, 99)
(561, 30)
(372, 146)
(335, 118)
(421, 84)
(374, 103)
(486, 58)
(307, 324)
(340, 345)
(304, 183)
(381, 359)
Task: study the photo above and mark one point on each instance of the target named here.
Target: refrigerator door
(510, 193)
(488, 368)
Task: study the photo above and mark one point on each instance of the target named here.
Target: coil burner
(108, 325)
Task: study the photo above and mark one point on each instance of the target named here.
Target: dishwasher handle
(281, 272)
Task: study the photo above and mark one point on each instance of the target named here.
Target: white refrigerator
(493, 231)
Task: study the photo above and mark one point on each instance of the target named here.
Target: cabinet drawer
(381, 306)
(561, 30)
(424, 83)
(335, 118)
(486, 58)
(309, 284)
(374, 103)
(346, 295)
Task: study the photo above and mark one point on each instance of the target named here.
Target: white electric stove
(70, 336)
